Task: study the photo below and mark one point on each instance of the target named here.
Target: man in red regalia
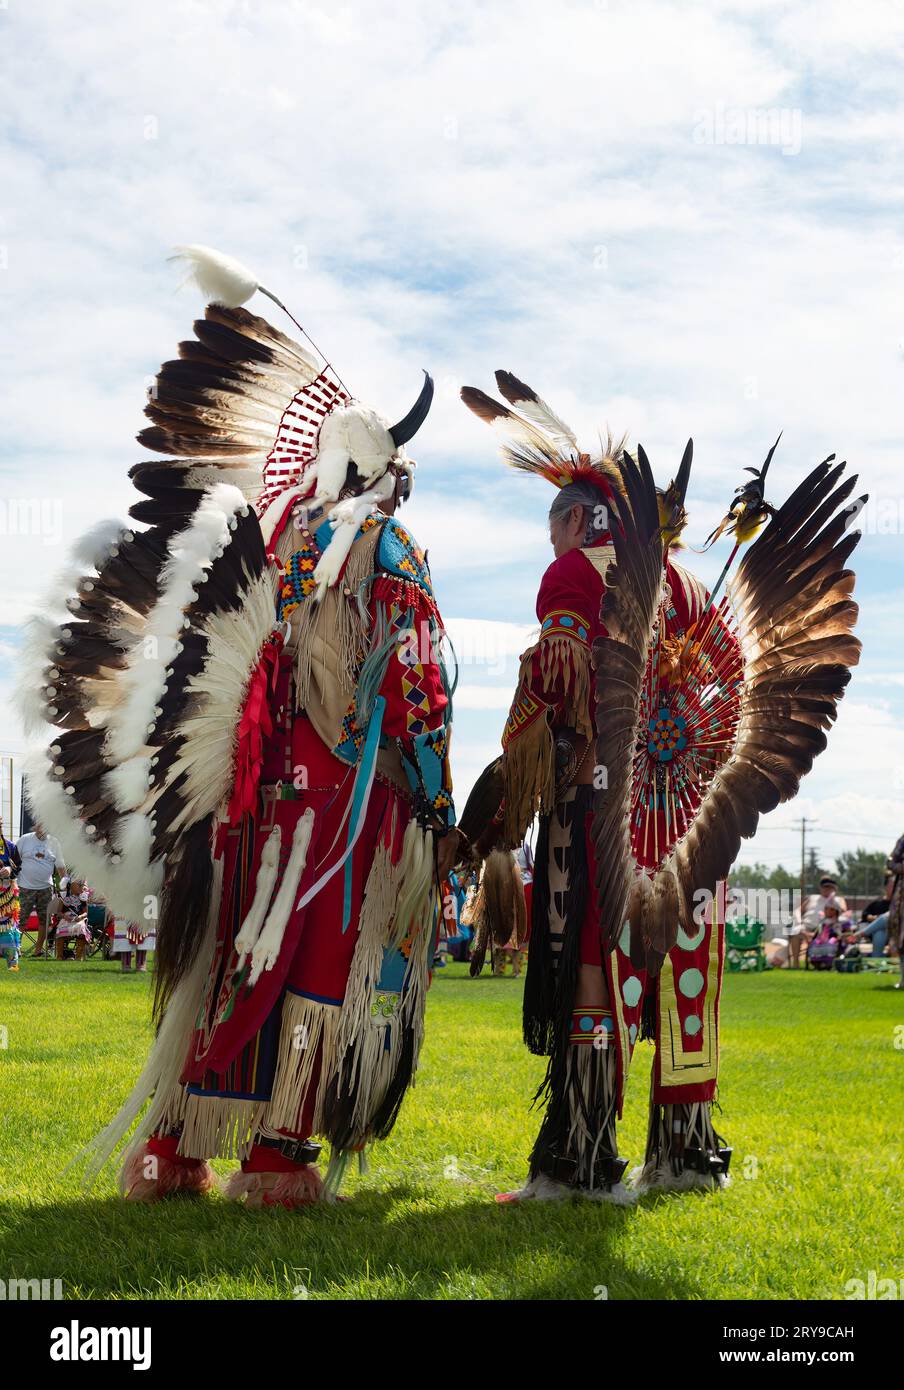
(251, 722)
(624, 733)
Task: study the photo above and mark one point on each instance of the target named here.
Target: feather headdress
(246, 404)
(143, 660)
(537, 440)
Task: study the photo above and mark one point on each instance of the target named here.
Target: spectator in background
(874, 919)
(129, 937)
(70, 906)
(896, 910)
(809, 917)
(40, 855)
(10, 936)
(10, 941)
(10, 858)
(826, 943)
(509, 949)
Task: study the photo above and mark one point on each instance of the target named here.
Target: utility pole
(804, 822)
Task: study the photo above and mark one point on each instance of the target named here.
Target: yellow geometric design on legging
(679, 1066)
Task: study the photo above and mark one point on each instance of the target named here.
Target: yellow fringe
(308, 1029)
(529, 776)
(219, 1126)
(562, 659)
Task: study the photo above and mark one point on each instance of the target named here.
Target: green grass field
(811, 1101)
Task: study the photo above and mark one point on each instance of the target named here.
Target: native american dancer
(500, 915)
(251, 722)
(651, 727)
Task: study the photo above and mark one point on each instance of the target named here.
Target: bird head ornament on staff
(330, 452)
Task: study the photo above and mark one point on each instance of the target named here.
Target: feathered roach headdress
(246, 391)
(537, 440)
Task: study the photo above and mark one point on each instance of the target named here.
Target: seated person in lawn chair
(69, 918)
(650, 728)
(873, 925)
(825, 944)
(268, 756)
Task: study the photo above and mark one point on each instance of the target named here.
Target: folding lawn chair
(744, 949)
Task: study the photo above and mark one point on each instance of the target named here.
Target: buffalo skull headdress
(247, 404)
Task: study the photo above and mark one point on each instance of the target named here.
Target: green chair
(744, 948)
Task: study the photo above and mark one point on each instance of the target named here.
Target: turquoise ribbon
(363, 781)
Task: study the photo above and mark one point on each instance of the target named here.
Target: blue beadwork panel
(400, 555)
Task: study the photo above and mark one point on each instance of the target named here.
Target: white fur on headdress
(347, 517)
(351, 433)
(348, 434)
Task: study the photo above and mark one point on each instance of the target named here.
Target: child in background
(10, 936)
(128, 937)
(70, 906)
(10, 940)
(826, 944)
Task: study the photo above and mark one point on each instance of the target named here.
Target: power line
(857, 834)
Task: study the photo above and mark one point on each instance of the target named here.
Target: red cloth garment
(243, 1066)
(568, 610)
(255, 726)
(412, 685)
(166, 1146)
(315, 955)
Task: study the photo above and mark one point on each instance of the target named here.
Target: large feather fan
(241, 402)
(140, 691)
(136, 693)
(716, 733)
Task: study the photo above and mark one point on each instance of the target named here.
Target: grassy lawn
(811, 1101)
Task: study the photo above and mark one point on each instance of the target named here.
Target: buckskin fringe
(378, 1053)
(308, 1033)
(219, 1126)
(365, 1055)
(529, 772)
(565, 667)
(339, 614)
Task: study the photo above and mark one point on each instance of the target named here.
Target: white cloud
(496, 697)
(464, 187)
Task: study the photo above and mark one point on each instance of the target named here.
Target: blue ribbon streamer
(363, 782)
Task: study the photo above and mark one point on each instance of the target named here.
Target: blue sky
(674, 219)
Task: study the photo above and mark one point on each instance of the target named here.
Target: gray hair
(588, 497)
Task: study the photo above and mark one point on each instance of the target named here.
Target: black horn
(408, 427)
(684, 472)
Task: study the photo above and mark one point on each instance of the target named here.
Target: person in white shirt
(40, 854)
(808, 917)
